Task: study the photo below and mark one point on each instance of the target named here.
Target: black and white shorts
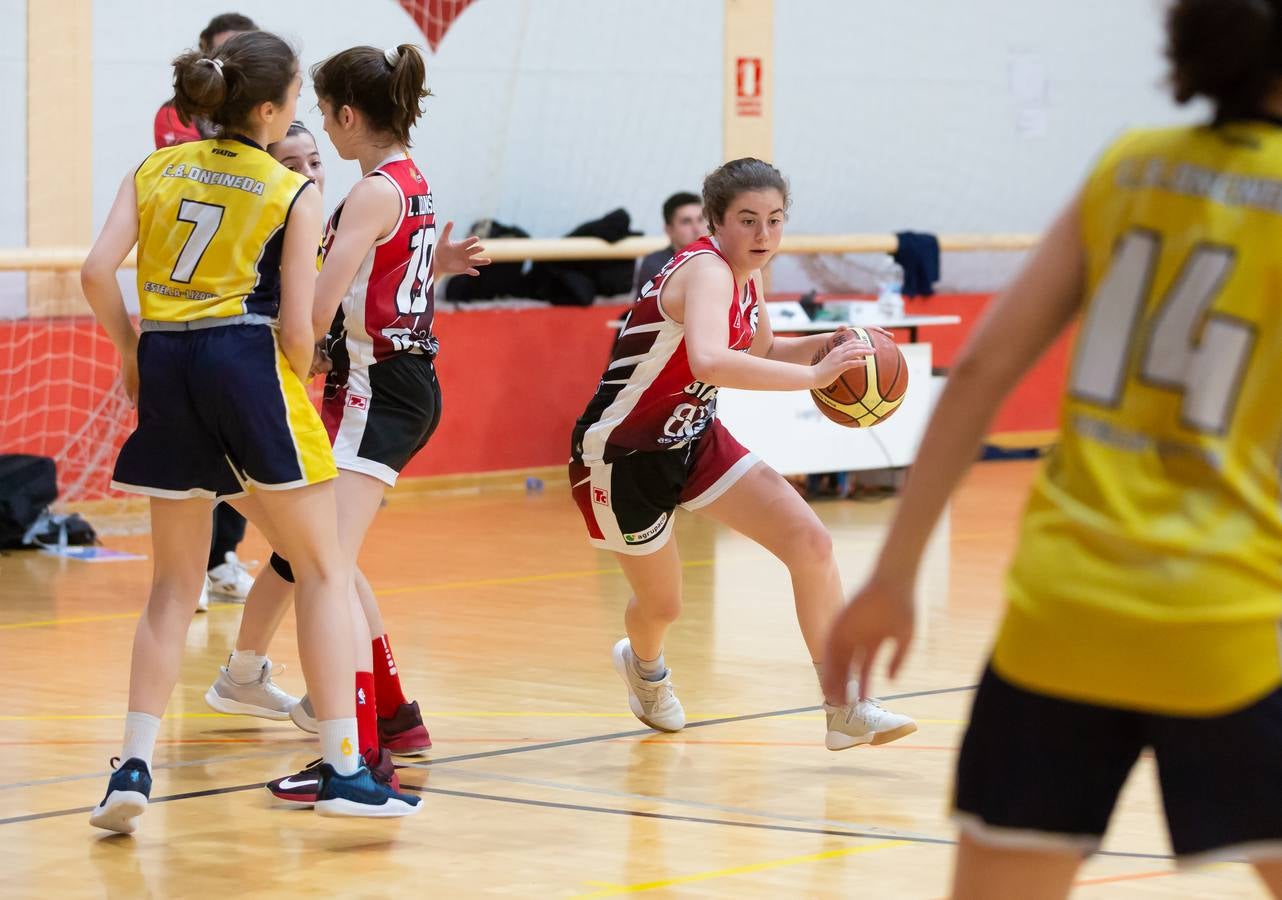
(628, 504)
(383, 416)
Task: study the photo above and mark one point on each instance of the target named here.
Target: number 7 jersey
(1149, 569)
(211, 227)
(388, 307)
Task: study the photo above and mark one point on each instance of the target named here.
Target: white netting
(62, 398)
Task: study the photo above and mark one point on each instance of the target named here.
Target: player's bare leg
(991, 873)
(762, 506)
(638, 658)
(244, 686)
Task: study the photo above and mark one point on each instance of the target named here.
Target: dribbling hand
(851, 354)
(879, 612)
(458, 258)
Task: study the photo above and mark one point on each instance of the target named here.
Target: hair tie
(392, 55)
(216, 63)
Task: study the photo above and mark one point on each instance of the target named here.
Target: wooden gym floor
(541, 783)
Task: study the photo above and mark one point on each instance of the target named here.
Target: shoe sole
(305, 724)
(839, 740)
(408, 751)
(218, 703)
(342, 808)
(119, 812)
(634, 704)
(225, 597)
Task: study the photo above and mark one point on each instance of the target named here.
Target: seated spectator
(169, 129)
(683, 222)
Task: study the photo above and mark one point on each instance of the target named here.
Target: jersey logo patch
(356, 401)
(640, 537)
(600, 495)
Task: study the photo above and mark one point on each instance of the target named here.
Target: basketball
(864, 396)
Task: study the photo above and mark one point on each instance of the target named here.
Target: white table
(786, 429)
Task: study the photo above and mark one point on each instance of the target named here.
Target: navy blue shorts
(219, 410)
(1040, 772)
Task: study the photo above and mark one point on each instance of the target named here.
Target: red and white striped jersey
(388, 307)
(648, 398)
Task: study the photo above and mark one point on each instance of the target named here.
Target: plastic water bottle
(533, 485)
(890, 290)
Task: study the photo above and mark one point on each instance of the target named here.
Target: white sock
(245, 666)
(338, 744)
(140, 737)
(650, 669)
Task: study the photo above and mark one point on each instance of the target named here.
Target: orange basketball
(867, 395)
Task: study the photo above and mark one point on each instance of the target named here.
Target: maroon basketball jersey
(388, 307)
(648, 399)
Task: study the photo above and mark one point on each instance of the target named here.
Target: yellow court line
(408, 589)
(615, 890)
(224, 607)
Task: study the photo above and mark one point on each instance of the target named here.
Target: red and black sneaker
(404, 734)
(303, 787)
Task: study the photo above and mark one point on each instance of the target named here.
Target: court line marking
(689, 804)
(184, 764)
(382, 592)
(700, 820)
(551, 745)
(232, 789)
(750, 868)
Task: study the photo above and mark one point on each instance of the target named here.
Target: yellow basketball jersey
(1149, 569)
(211, 225)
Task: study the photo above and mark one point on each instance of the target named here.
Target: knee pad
(280, 565)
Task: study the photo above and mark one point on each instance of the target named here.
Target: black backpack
(28, 484)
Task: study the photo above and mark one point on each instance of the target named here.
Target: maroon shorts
(628, 505)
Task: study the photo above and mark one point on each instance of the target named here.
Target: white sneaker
(202, 603)
(230, 579)
(259, 698)
(864, 722)
(653, 702)
(304, 716)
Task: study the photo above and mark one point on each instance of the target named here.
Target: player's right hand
(850, 354)
(321, 363)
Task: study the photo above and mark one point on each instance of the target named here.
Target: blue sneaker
(127, 795)
(360, 794)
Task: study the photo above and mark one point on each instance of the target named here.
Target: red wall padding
(513, 381)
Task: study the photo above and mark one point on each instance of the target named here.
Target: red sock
(366, 713)
(388, 691)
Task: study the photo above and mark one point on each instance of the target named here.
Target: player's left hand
(868, 328)
(458, 258)
(879, 612)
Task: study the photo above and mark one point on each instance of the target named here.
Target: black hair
(675, 202)
(735, 177)
(221, 23)
(1228, 51)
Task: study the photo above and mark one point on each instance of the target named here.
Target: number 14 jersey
(388, 308)
(1149, 568)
